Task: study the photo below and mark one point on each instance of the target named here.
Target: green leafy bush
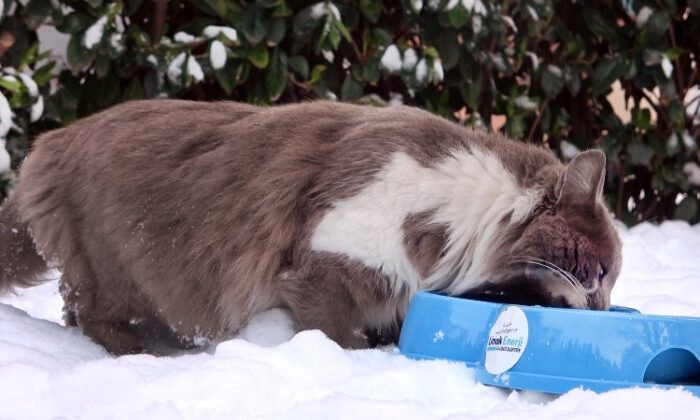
(539, 70)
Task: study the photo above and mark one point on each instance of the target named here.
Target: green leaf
(131, 7)
(458, 16)
(694, 6)
(13, 86)
(602, 26)
(227, 76)
(471, 91)
(687, 209)
(371, 9)
(351, 90)
(220, 6)
(255, 24)
(276, 32)
(276, 75)
(334, 37)
(640, 154)
(641, 117)
(268, 4)
(676, 113)
(43, 74)
(134, 91)
(282, 10)
(28, 57)
(75, 22)
(259, 56)
(77, 55)
(343, 30)
(383, 37)
(674, 53)
(552, 81)
(317, 74)
(303, 25)
(515, 127)
(572, 79)
(448, 48)
(605, 74)
(299, 65)
(658, 23)
(37, 11)
(102, 64)
(371, 72)
(652, 57)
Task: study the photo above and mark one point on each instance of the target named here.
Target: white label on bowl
(507, 340)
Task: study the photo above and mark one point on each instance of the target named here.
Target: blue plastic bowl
(555, 350)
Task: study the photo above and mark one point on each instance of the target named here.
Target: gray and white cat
(200, 215)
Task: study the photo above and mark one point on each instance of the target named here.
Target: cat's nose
(599, 301)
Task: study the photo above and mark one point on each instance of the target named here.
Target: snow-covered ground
(49, 371)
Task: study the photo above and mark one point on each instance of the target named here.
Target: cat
(200, 215)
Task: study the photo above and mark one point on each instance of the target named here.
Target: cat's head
(568, 254)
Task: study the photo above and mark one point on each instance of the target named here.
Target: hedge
(540, 71)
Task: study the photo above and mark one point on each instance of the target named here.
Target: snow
(5, 116)
(268, 371)
(175, 68)
(151, 59)
(688, 140)
(328, 55)
(451, 4)
(410, 58)
(5, 160)
(511, 24)
(421, 71)
(692, 171)
(194, 69)
(480, 8)
(568, 150)
(416, 5)
(643, 16)
(555, 70)
(534, 59)
(184, 38)
(37, 107)
(217, 55)
(523, 102)
(391, 59)
(438, 71)
(322, 8)
(533, 13)
(116, 41)
(94, 33)
(666, 66)
(213, 31)
(32, 88)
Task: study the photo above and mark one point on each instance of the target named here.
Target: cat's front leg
(354, 305)
(322, 302)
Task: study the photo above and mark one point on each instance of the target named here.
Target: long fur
(199, 215)
(20, 263)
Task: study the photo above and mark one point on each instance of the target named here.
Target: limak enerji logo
(507, 340)
(505, 343)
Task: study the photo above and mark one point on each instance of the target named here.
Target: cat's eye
(602, 271)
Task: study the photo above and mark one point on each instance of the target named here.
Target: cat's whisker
(568, 274)
(574, 281)
(559, 273)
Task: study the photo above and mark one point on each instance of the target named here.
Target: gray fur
(199, 215)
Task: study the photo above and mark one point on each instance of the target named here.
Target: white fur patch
(471, 192)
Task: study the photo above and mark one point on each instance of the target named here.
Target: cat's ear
(583, 180)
